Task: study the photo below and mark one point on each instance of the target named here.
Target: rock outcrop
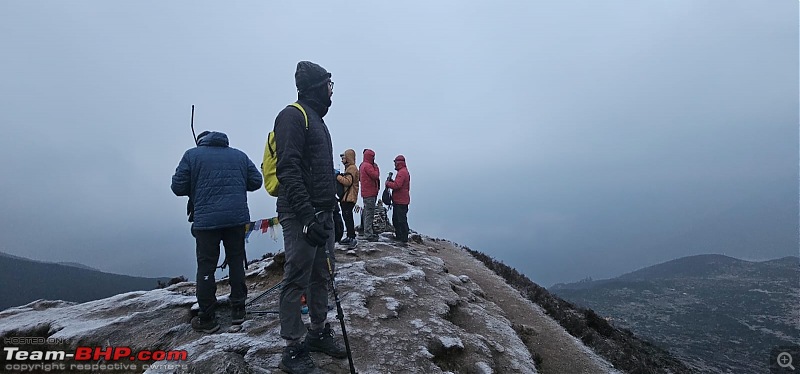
(407, 310)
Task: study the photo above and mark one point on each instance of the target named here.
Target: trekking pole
(263, 312)
(273, 288)
(189, 204)
(340, 315)
(193, 135)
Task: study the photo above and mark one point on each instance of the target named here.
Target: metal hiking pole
(193, 135)
(189, 204)
(275, 287)
(340, 314)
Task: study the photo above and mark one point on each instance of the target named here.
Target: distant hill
(77, 265)
(25, 280)
(65, 263)
(718, 313)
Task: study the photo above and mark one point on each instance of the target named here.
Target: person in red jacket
(400, 199)
(370, 184)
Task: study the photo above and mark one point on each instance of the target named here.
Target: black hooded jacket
(305, 159)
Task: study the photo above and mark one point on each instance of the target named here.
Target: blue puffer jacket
(216, 177)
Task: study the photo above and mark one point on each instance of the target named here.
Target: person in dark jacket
(306, 201)
(370, 184)
(217, 178)
(401, 198)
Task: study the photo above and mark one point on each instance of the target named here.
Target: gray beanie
(309, 74)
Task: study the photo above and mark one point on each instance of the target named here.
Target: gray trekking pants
(305, 271)
(369, 215)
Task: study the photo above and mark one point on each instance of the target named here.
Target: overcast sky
(565, 138)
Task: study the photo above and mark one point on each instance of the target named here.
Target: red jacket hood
(399, 162)
(369, 156)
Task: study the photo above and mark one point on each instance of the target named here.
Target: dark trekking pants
(207, 257)
(400, 221)
(347, 214)
(305, 271)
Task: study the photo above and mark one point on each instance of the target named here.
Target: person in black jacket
(217, 177)
(306, 201)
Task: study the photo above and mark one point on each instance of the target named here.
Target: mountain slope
(718, 313)
(27, 280)
(428, 308)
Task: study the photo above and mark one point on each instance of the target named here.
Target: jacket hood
(350, 157)
(310, 80)
(212, 139)
(369, 156)
(399, 162)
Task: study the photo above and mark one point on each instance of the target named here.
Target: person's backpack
(341, 191)
(387, 197)
(269, 167)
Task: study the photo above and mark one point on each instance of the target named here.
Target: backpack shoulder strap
(300, 107)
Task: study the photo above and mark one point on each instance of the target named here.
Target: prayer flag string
(262, 225)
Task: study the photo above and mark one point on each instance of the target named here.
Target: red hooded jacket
(402, 182)
(370, 175)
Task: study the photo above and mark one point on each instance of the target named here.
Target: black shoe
(323, 341)
(206, 325)
(237, 314)
(352, 243)
(296, 359)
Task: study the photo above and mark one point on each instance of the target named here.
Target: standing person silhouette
(217, 179)
(306, 201)
(401, 198)
(370, 175)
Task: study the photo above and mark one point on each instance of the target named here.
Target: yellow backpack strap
(305, 116)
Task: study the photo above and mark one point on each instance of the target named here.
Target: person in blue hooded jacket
(217, 178)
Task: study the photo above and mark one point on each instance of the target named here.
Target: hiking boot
(352, 243)
(237, 314)
(345, 241)
(207, 325)
(322, 340)
(296, 359)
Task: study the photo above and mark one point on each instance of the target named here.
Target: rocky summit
(430, 307)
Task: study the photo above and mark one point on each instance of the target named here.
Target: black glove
(315, 233)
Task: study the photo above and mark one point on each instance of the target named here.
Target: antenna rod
(193, 135)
